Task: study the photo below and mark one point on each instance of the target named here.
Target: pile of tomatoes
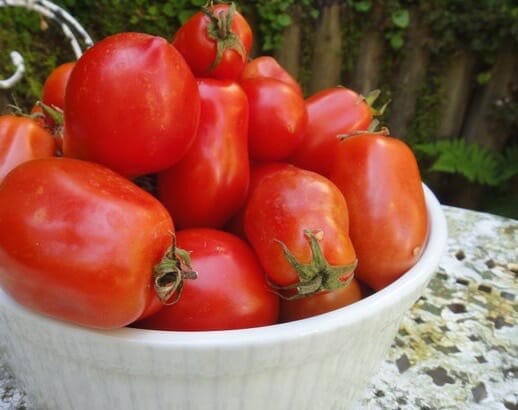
(190, 187)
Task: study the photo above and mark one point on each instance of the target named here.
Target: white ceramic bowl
(322, 362)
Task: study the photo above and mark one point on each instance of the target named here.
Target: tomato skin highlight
(210, 183)
(82, 242)
(269, 67)
(380, 179)
(229, 293)
(331, 112)
(320, 303)
(22, 139)
(278, 118)
(282, 206)
(199, 50)
(132, 104)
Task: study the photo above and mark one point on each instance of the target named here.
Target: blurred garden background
(448, 70)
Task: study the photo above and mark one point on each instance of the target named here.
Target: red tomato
(331, 112)
(210, 183)
(380, 178)
(278, 118)
(257, 172)
(53, 93)
(321, 302)
(215, 42)
(229, 293)
(297, 223)
(267, 66)
(83, 242)
(132, 104)
(22, 139)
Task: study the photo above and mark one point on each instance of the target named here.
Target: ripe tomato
(229, 293)
(215, 42)
(379, 176)
(269, 67)
(321, 302)
(132, 104)
(54, 87)
(210, 183)
(278, 118)
(297, 223)
(257, 172)
(331, 112)
(22, 139)
(83, 242)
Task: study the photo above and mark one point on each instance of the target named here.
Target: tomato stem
(318, 275)
(170, 273)
(220, 30)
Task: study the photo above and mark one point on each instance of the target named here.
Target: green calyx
(169, 274)
(219, 29)
(317, 275)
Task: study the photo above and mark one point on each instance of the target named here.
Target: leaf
(284, 20)
(363, 6)
(401, 18)
(396, 40)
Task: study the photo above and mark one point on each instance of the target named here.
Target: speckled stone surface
(458, 346)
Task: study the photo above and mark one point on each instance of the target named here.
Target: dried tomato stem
(170, 273)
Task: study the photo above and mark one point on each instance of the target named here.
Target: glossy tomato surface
(331, 112)
(197, 40)
(278, 118)
(285, 205)
(22, 139)
(230, 291)
(269, 67)
(210, 183)
(82, 242)
(132, 104)
(380, 179)
(320, 303)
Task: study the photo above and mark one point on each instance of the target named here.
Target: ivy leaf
(401, 18)
(396, 40)
(362, 6)
(284, 20)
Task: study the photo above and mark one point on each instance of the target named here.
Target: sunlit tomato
(331, 112)
(215, 42)
(380, 179)
(210, 183)
(321, 302)
(297, 223)
(82, 242)
(269, 67)
(53, 96)
(230, 291)
(54, 87)
(22, 139)
(257, 172)
(132, 104)
(278, 118)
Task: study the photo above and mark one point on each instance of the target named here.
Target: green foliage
(477, 164)
(276, 15)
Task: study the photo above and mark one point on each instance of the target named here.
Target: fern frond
(476, 163)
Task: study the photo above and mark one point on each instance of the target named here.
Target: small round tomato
(297, 223)
(379, 176)
(331, 112)
(322, 302)
(132, 104)
(83, 242)
(215, 42)
(230, 291)
(54, 87)
(22, 139)
(278, 118)
(209, 184)
(269, 67)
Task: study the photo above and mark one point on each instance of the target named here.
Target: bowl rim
(286, 332)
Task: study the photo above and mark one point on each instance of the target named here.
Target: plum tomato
(230, 291)
(132, 104)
